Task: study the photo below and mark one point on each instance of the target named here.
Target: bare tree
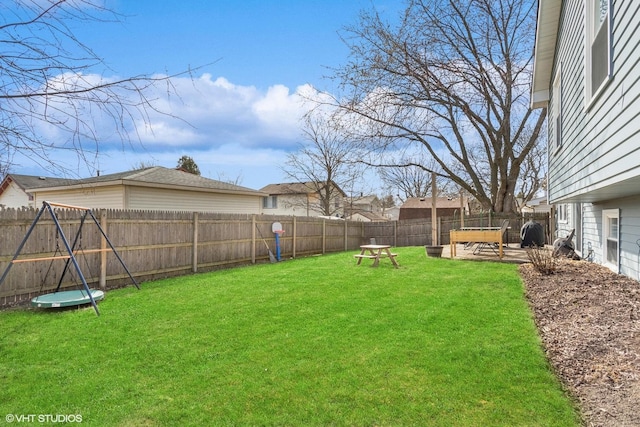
(413, 181)
(452, 80)
(532, 179)
(221, 176)
(49, 98)
(145, 164)
(387, 202)
(323, 162)
(4, 164)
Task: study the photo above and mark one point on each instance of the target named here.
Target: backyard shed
(420, 207)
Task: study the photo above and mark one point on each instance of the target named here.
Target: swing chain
(55, 252)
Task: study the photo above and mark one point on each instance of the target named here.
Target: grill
(531, 234)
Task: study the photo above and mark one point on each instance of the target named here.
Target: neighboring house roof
(538, 201)
(365, 200)
(537, 205)
(544, 52)
(288, 188)
(420, 207)
(157, 176)
(370, 216)
(13, 189)
(30, 181)
(364, 203)
(294, 188)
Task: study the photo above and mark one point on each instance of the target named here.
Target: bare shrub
(542, 259)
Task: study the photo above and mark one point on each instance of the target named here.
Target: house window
(562, 213)
(611, 237)
(270, 202)
(598, 67)
(556, 111)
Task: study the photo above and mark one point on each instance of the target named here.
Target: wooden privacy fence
(156, 244)
(417, 232)
(495, 220)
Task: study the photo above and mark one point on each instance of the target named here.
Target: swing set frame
(70, 247)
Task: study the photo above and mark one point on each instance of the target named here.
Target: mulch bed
(589, 321)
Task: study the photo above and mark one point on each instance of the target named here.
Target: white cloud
(229, 130)
(196, 113)
(279, 107)
(162, 132)
(216, 112)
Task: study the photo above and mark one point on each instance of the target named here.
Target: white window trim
(576, 212)
(606, 215)
(270, 202)
(562, 213)
(590, 34)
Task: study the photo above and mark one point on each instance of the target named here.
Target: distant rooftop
(157, 175)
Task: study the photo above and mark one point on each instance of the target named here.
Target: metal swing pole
(112, 248)
(24, 240)
(33, 224)
(73, 248)
(72, 257)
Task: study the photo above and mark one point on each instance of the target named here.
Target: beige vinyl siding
(300, 205)
(600, 156)
(108, 197)
(147, 198)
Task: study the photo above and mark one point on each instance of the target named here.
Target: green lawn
(309, 342)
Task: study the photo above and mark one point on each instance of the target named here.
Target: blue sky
(242, 109)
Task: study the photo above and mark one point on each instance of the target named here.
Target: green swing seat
(66, 298)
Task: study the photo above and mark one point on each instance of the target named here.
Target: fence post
(461, 210)
(103, 254)
(295, 231)
(395, 233)
(253, 239)
(434, 214)
(324, 236)
(345, 236)
(194, 252)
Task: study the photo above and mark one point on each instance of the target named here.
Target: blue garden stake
(276, 227)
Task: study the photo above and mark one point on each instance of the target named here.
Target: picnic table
(376, 252)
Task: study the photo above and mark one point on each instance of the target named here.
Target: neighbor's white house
(364, 209)
(153, 188)
(301, 199)
(13, 189)
(536, 205)
(585, 73)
